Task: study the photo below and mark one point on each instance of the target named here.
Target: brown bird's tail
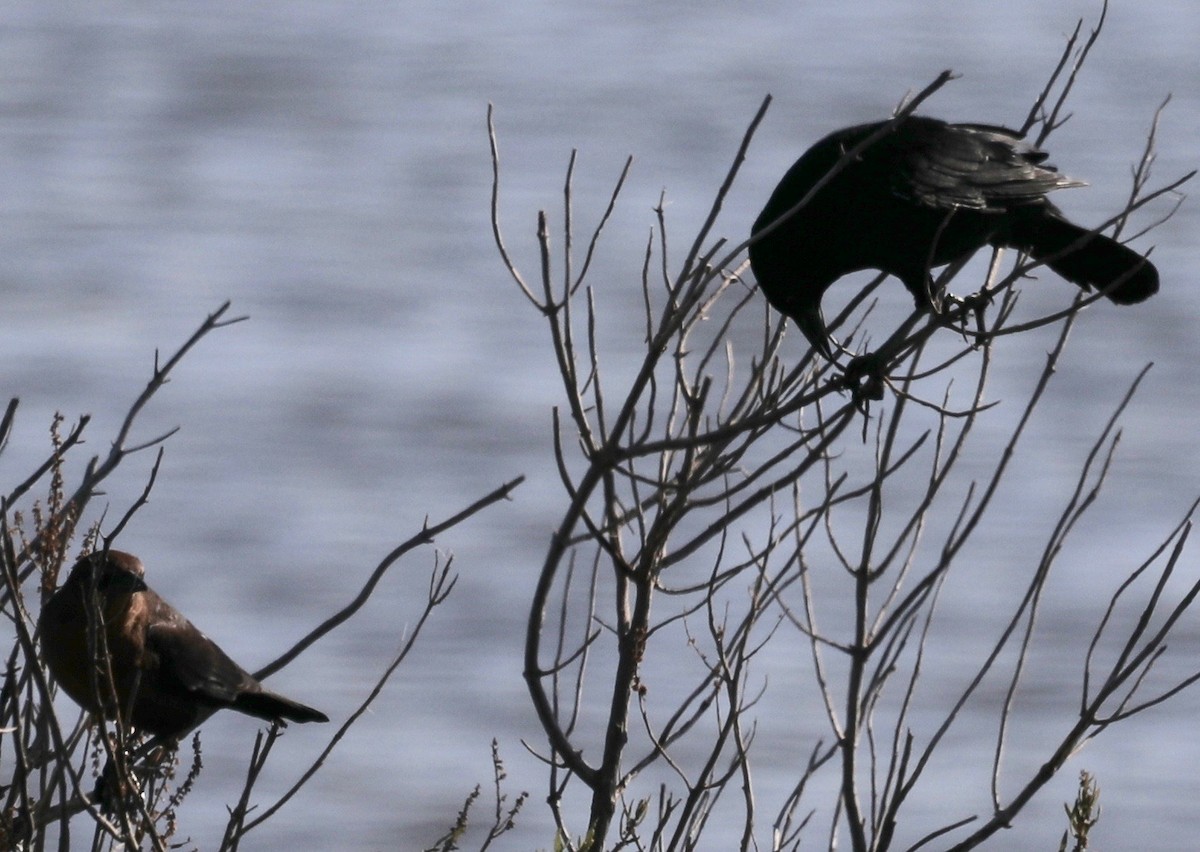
(272, 707)
(1086, 259)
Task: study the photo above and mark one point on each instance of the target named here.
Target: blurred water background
(325, 167)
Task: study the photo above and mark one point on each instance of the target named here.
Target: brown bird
(170, 674)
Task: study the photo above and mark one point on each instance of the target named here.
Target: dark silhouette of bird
(167, 676)
(924, 194)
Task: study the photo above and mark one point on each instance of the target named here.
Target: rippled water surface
(325, 167)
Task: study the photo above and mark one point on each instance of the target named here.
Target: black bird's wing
(973, 166)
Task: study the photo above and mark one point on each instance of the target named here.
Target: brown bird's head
(100, 596)
(113, 575)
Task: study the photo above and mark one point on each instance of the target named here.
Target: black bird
(924, 194)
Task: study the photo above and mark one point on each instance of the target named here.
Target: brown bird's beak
(127, 583)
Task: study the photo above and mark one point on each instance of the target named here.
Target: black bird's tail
(1086, 259)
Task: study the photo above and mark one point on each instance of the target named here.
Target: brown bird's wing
(191, 663)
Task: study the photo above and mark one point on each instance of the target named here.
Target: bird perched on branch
(166, 675)
(923, 194)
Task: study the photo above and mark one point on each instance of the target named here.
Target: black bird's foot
(974, 306)
(864, 376)
(977, 302)
(950, 301)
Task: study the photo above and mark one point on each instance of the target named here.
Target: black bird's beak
(812, 326)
